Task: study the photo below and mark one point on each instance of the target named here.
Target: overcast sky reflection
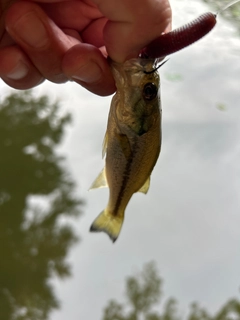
(189, 221)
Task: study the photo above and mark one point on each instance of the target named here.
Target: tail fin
(109, 224)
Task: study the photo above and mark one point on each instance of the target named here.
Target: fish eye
(150, 91)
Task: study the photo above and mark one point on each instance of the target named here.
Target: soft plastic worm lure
(182, 37)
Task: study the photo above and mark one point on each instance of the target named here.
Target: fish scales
(132, 141)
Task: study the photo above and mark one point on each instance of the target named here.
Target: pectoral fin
(100, 181)
(104, 145)
(145, 187)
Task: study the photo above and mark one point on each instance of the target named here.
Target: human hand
(69, 39)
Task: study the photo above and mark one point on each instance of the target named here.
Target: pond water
(189, 220)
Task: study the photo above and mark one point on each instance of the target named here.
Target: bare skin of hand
(71, 39)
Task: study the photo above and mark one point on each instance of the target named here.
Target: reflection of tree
(143, 291)
(231, 310)
(35, 193)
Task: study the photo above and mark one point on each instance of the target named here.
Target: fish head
(136, 74)
(138, 93)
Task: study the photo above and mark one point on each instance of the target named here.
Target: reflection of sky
(189, 221)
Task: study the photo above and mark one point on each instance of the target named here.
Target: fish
(132, 141)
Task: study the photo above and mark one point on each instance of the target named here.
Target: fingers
(46, 51)
(42, 41)
(72, 14)
(86, 65)
(17, 70)
(81, 16)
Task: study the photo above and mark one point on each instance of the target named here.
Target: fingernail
(19, 72)
(88, 73)
(31, 30)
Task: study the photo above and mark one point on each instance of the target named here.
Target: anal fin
(145, 186)
(100, 181)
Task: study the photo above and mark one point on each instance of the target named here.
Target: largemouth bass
(132, 141)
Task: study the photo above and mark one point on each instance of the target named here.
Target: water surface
(189, 221)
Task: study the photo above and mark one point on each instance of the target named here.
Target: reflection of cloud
(201, 140)
(209, 78)
(197, 185)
